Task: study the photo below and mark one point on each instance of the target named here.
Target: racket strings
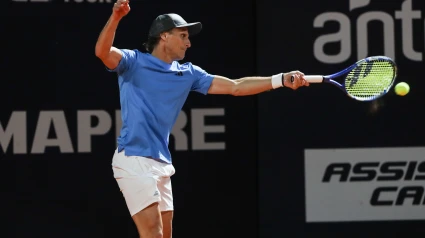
(370, 79)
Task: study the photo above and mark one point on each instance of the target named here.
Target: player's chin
(181, 57)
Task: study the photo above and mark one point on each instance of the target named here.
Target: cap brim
(193, 28)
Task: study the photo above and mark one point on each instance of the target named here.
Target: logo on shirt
(180, 73)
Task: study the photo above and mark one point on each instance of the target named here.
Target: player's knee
(157, 233)
(154, 234)
(154, 229)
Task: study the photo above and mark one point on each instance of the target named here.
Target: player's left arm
(255, 85)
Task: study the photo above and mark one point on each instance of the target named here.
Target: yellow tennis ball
(402, 89)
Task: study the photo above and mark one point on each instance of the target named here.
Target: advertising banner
(324, 37)
(370, 184)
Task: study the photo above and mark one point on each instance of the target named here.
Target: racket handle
(311, 78)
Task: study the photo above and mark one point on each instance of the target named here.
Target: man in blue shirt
(153, 89)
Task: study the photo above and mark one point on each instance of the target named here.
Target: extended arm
(255, 85)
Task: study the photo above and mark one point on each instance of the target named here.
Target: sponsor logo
(400, 28)
(73, 132)
(365, 184)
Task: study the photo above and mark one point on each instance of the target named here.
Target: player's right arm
(110, 55)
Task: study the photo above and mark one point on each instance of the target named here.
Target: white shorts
(143, 181)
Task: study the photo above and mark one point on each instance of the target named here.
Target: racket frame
(331, 78)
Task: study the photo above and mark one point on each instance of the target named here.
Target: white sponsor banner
(366, 184)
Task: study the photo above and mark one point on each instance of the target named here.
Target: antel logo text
(365, 184)
(411, 20)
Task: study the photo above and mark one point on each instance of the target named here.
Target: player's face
(177, 43)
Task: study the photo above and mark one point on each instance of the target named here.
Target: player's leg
(148, 222)
(167, 224)
(156, 220)
(166, 204)
(138, 184)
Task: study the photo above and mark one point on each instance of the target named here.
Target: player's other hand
(298, 80)
(120, 9)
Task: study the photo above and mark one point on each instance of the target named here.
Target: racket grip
(314, 78)
(311, 78)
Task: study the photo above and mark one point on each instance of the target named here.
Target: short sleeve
(202, 80)
(126, 62)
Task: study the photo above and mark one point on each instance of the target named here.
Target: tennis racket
(366, 80)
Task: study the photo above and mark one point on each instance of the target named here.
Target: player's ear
(164, 35)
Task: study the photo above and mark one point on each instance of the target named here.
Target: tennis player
(153, 88)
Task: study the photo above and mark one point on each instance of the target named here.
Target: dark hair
(152, 41)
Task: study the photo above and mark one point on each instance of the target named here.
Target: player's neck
(162, 55)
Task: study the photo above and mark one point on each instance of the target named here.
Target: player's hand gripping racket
(366, 80)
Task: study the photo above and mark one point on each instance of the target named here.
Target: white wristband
(277, 81)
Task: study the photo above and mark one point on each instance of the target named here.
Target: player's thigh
(166, 205)
(166, 192)
(136, 181)
(149, 221)
(167, 223)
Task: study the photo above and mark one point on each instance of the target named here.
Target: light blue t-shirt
(152, 94)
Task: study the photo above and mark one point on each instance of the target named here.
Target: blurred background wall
(252, 166)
